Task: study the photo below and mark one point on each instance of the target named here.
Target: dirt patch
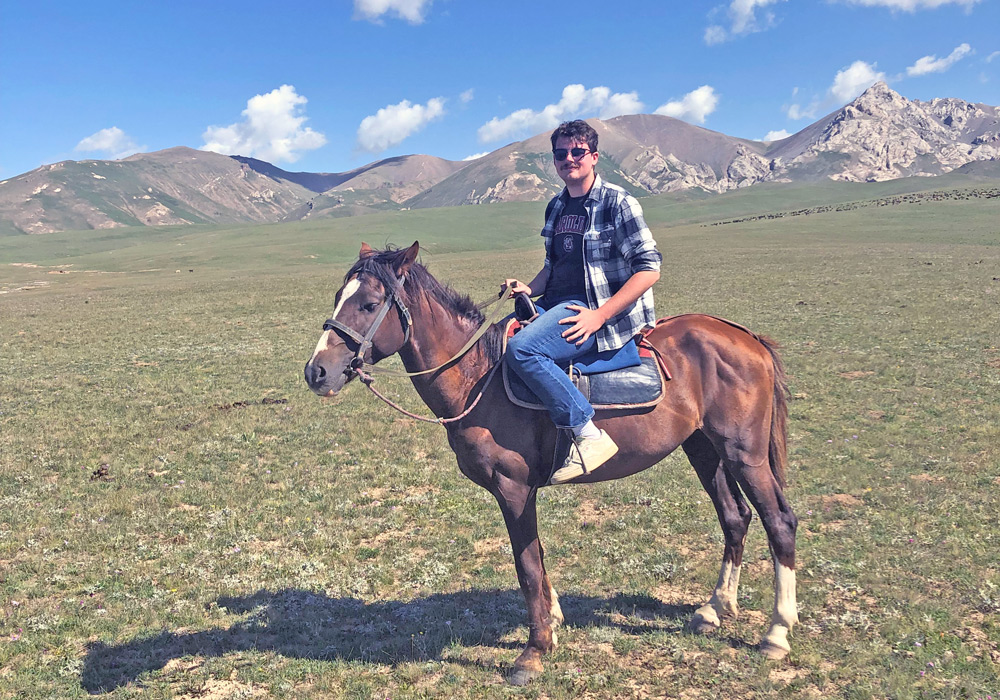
(672, 594)
(222, 690)
(381, 538)
(842, 499)
(182, 665)
(258, 546)
(927, 478)
(31, 285)
(856, 374)
(785, 676)
(592, 513)
(491, 547)
(977, 641)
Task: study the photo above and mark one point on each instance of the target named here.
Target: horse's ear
(366, 250)
(404, 262)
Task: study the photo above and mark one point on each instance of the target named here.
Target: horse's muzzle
(322, 382)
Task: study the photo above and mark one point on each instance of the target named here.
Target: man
(600, 264)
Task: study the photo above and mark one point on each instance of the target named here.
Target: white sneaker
(586, 455)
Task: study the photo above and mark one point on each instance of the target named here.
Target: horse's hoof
(699, 624)
(772, 651)
(702, 627)
(521, 676)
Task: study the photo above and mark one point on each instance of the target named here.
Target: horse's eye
(370, 308)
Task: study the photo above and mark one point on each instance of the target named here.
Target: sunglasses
(560, 153)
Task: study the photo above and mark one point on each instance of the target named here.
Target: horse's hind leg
(762, 488)
(734, 517)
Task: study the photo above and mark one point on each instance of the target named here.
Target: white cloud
(714, 34)
(913, 5)
(395, 123)
(272, 129)
(476, 156)
(693, 107)
(797, 111)
(576, 102)
(989, 59)
(112, 142)
(933, 64)
(853, 80)
(467, 96)
(410, 10)
(622, 103)
(743, 19)
(776, 135)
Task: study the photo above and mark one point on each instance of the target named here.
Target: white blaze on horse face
(350, 289)
(321, 345)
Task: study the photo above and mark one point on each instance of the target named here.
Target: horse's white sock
(587, 430)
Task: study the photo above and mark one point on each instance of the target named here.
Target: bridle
(364, 342)
(359, 367)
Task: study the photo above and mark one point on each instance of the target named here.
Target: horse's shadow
(302, 624)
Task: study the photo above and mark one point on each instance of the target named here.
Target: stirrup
(524, 309)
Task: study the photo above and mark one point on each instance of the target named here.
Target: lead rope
(367, 380)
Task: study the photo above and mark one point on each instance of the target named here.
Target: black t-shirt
(566, 281)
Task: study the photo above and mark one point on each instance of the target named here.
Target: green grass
(181, 518)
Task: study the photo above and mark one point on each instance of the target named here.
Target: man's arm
(534, 288)
(589, 321)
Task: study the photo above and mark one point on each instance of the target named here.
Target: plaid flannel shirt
(616, 246)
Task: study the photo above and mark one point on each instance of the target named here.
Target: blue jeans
(535, 354)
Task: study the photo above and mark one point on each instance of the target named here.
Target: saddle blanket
(640, 385)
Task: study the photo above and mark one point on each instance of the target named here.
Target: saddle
(633, 377)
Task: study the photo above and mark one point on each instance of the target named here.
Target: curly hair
(578, 130)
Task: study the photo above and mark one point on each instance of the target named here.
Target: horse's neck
(436, 335)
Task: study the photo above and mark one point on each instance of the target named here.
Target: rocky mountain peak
(877, 101)
(882, 136)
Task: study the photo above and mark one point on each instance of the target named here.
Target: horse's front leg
(517, 502)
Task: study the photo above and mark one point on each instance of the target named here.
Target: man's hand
(585, 324)
(517, 285)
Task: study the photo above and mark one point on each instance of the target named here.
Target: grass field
(181, 518)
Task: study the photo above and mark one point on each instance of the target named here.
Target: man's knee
(519, 349)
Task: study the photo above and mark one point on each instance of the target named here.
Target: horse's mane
(382, 264)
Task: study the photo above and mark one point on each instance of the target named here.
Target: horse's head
(369, 322)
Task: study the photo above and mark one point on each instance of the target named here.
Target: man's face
(575, 171)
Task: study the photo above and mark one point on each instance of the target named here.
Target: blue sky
(330, 86)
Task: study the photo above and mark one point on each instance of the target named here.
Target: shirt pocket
(603, 246)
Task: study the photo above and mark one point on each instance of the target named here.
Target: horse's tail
(778, 446)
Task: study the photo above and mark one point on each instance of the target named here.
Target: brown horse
(725, 407)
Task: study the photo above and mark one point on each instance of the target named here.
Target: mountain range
(879, 136)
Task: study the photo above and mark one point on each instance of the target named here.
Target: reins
(367, 380)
